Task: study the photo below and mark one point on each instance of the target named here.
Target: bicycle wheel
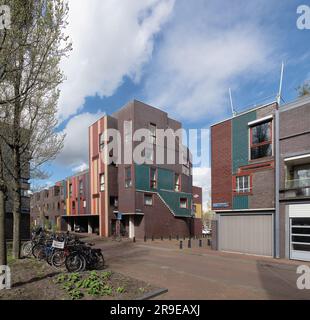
(98, 260)
(58, 259)
(27, 249)
(75, 262)
(38, 251)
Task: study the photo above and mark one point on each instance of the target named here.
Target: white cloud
(82, 167)
(200, 57)
(75, 151)
(111, 39)
(202, 178)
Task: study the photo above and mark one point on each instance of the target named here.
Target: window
(73, 205)
(261, 140)
(84, 204)
(128, 181)
(70, 189)
(153, 178)
(183, 203)
(101, 142)
(148, 199)
(149, 154)
(58, 206)
(152, 133)
(114, 201)
(102, 184)
(81, 187)
(243, 184)
(177, 183)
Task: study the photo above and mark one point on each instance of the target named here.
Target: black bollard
(152, 238)
(162, 238)
(134, 239)
(181, 244)
(200, 243)
(170, 237)
(189, 243)
(144, 238)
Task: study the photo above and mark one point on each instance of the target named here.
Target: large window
(261, 140)
(148, 199)
(102, 182)
(243, 184)
(153, 178)
(128, 181)
(70, 189)
(152, 133)
(177, 182)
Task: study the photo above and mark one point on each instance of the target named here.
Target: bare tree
(304, 89)
(29, 91)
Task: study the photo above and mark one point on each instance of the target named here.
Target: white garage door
(252, 234)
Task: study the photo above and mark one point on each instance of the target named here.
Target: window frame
(243, 191)
(152, 138)
(81, 187)
(260, 144)
(101, 142)
(102, 183)
(148, 195)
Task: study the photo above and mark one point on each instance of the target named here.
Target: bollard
(162, 238)
(181, 244)
(144, 238)
(170, 237)
(134, 239)
(200, 243)
(152, 238)
(189, 243)
(209, 242)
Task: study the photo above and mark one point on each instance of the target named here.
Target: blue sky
(180, 56)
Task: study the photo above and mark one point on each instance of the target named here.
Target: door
(247, 233)
(300, 239)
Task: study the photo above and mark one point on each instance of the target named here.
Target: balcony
(296, 188)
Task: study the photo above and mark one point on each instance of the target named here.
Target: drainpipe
(277, 185)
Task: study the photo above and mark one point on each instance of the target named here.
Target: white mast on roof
(279, 96)
(231, 104)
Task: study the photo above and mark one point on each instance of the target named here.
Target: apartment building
(294, 176)
(243, 181)
(261, 181)
(129, 198)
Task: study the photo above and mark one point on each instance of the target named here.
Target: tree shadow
(35, 279)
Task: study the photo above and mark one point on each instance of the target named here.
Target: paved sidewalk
(200, 273)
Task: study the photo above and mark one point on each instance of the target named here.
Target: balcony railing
(297, 187)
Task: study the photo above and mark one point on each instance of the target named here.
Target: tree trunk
(3, 256)
(3, 252)
(16, 205)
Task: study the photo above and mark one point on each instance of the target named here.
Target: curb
(153, 294)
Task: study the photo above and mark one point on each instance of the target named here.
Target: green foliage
(120, 290)
(94, 284)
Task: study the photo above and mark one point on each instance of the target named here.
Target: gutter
(277, 186)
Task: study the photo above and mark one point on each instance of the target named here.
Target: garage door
(252, 234)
